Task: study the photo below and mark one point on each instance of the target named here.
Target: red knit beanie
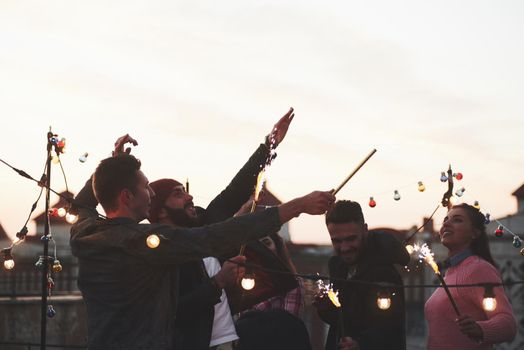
(163, 189)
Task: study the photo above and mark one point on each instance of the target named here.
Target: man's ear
(125, 197)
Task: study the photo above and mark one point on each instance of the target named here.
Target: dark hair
(112, 176)
(282, 251)
(480, 245)
(274, 329)
(345, 211)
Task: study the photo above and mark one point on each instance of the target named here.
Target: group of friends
(184, 293)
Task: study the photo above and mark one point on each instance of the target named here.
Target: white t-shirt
(223, 326)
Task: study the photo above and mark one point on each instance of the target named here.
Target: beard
(180, 218)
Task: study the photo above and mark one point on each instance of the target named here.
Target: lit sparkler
(326, 290)
(427, 255)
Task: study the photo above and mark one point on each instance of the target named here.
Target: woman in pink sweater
(464, 234)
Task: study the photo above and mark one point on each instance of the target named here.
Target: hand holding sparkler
(468, 326)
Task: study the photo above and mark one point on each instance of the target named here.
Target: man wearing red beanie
(203, 318)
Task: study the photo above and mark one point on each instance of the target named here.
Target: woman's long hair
(480, 245)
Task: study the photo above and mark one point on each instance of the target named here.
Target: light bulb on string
(458, 176)
(9, 262)
(53, 212)
(384, 300)
(153, 241)
(55, 159)
(460, 192)
(443, 177)
(248, 281)
(499, 232)
(453, 200)
(410, 249)
(517, 242)
(372, 202)
(522, 252)
(61, 212)
(83, 157)
(71, 218)
(421, 187)
(476, 205)
(57, 267)
(51, 311)
(489, 303)
(396, 195)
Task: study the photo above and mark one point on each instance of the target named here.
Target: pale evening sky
(199, 84)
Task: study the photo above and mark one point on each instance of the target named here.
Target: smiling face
(178, 209)
(457, 231)
(348, 240)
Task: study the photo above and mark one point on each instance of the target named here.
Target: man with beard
(364, 257)
(130, 286)
(203, 318)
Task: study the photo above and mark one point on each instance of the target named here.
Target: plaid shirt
(292, 301)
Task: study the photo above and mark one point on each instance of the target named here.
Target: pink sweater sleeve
(500, 324)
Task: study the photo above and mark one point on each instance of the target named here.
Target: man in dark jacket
(197, 325)
(129, 288)
(367, 257)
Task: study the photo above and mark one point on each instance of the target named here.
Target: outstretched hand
(121, 142)
(279, 131)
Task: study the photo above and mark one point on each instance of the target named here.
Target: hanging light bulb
(458, 176)
(460, 192)
(9, 262)
(499, 232)
(517, 242)
(487, 219)
(489, 303)
(396, 195)
(153, 241)
(62, 212)
(71, 218)
(453, 200)
(372, 202)
(51, 311)
(50, 283)
(443, 177)
(57, 267)
(410, 249)
(83, 158)
(40, 262)
(522, 252)
(421, 187)
(55, 159)
(384, 300)
(248, 281)
(476, 205)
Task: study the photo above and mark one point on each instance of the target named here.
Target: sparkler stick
(427, 255)
(354, 171)
(258, 189)
(327, 291)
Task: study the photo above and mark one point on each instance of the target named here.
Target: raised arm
(229, 201)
